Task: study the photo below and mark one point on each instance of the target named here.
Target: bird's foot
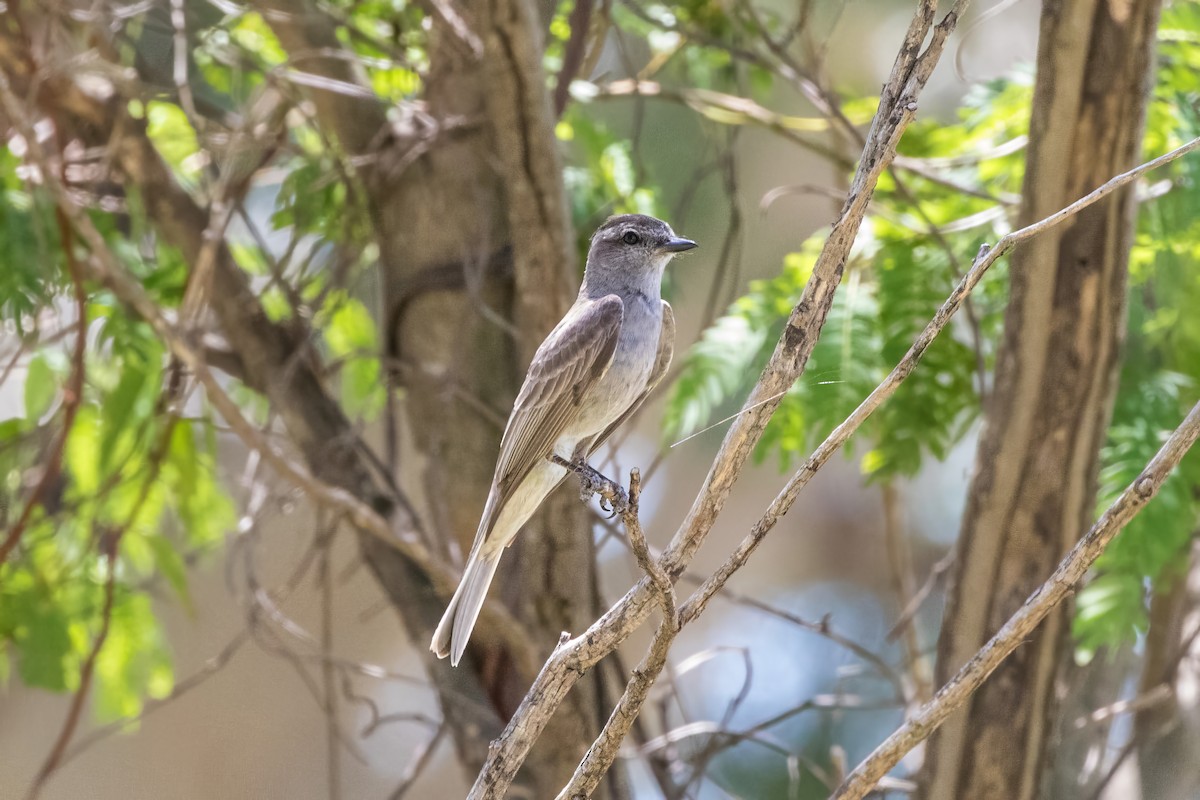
(613, 497)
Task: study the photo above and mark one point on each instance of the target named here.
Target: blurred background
(362, 217)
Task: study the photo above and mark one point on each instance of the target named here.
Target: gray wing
(573, 358)
(662, 362)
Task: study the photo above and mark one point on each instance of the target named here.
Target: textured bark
(1033, 489)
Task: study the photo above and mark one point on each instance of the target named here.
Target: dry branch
(573, 658)
(1020, 625)
(638, 686)
(842, 433)
(72, 398)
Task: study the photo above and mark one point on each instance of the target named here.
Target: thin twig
(85, 681)
(420, 759)
(641, 551)
(921, 595)
(110, 541)
(900, 565)
(624, 503)
(328, 669)
(208, 669)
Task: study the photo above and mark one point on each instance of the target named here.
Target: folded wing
(575, 355)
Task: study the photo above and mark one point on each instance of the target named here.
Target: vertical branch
(1033, 485)
(333, 753)
(900, 564)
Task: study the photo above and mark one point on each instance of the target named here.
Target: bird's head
(634, 246)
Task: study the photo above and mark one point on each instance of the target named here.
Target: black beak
(678, 245)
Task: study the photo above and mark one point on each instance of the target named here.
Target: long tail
(450, 638)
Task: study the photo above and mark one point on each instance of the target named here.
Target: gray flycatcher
(594, 369)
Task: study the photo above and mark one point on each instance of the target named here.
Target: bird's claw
(613, 498)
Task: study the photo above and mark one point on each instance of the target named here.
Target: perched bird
(594, 369)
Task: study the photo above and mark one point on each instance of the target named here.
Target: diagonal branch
(842, 433)
(603, 752)
(354, 117)
(72, 398)
(1021, 624)
(569, 661)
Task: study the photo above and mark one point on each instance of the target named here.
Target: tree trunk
(1034, 484)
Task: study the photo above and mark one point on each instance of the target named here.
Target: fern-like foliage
(896, 278)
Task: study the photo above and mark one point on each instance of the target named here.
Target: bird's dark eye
(631, 238)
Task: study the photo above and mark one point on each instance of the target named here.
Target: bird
(597, 366)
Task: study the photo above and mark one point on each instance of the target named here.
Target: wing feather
(575, 355)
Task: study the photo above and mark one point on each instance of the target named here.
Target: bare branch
(641, 551)
(603, 751)
(571, 659)
(984, 260)
(1021, 624)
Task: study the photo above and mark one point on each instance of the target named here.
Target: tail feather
(454, 630)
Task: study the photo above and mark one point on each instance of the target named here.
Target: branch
(603, 752)
(573, 54)
(85, 678)
(983, 261)
(528, 161)
(340, 91)
(110, 541)
(72, 396)
(1022, 624)
(573, 658)
(593, 766)
(625, 504)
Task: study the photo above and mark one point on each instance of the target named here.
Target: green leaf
(44, 644)
(168, 561)
(133, 662)
(41, 387)
(82, 452)
(351, 336)
(172, 134)
(126, 405)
